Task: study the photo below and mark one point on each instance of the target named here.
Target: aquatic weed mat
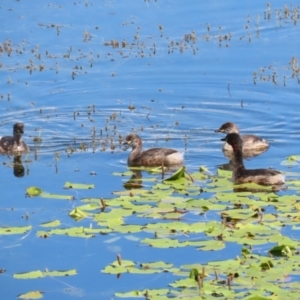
(197, 210)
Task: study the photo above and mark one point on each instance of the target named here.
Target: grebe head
(228, 127)
(18, 129)
(133, 140)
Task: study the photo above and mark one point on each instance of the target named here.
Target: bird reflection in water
(135, 181)
(19, 170)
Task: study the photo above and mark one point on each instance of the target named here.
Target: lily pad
(178, 174)
(31, 295)
(51, 224)
(72, 185)
(33, 191)
(29, 275)
(55, 196)
(14, 230)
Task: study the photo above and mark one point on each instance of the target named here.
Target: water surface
(74, 71)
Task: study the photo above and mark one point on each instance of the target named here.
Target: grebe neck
(18, 138)
(238, 156)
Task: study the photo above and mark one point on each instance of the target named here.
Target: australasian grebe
(241, 174)
(252, 145)
(14, 144)
(152, 157)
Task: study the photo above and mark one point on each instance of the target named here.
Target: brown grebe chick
(14, 144)
(152, 157)
(241, 174)
(252, 145)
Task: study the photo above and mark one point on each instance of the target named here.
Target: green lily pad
(29, 275)
(72, 185)
(31, 295)
(77, 214)
(51, 224)
(14, 230)
(61, 273)
(177, 175)
(33, 191)
(55, 196)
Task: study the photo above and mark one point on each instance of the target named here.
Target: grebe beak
(126, 143)
(224, 139)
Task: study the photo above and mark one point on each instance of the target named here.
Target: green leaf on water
(143, 271)
(61, 273)
(132, 294)
(257, 297)
(126, 228)
(31, 295)
(185, 283)
(224, 173)
(33, 191)
(164, 243)
(153, 294)
(282, 250)
(211, 245)
(51, 224)
(292, 160)
(177, 175)
(29, 275)
(40, 274)
(78, 214)
(14, 230)
(55, 196)
(90, 206)
(157, 265)
(115, 270)
(72, 185)
(74, 232)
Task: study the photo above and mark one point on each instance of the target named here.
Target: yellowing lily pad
(31, 295)
(72, 185)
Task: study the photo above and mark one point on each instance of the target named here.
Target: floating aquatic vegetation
(176, 209)
(251, 276)
(291, 161)
(70, 185)
(51, 224)
(14, 230)
(41, 274)
(33, 191)
(77, 214)
(56, 196)
(32, 295)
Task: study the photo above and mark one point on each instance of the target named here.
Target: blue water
(181, 90)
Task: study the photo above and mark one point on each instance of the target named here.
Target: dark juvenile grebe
(242, 175)
(14, 144)
(152, 157)
(252, 145)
